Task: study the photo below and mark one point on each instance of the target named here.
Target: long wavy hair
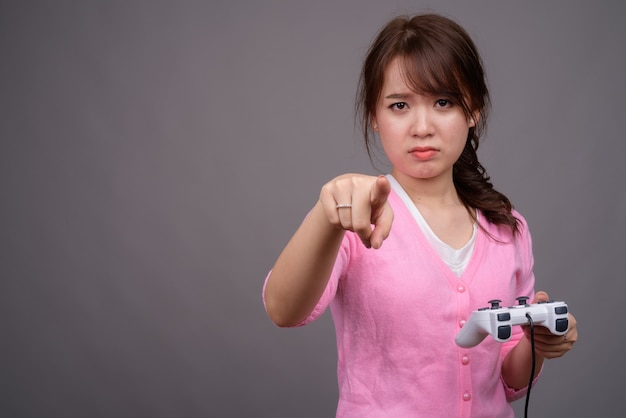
(439, 58)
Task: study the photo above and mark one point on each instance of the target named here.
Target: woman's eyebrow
(398, 96)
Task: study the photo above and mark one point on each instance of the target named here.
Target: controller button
(460, 288)
(504, 316)
(465, 360)
(560, 310)
(504, 332)
(562, 324)
(467, 396)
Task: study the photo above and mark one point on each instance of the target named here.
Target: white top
(455, 259)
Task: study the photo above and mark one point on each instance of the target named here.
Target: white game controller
(498, 321)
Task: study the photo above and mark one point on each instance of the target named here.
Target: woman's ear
(374, 123)
(473, 120)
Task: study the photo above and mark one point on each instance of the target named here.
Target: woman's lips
(423, 153)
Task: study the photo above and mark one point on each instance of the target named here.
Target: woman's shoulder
(522, 224)
(504, 232)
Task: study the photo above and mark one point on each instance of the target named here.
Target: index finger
(380, 191)
(541, 296)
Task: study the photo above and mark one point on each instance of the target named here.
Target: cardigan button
(462, 322)
(465, 360)
(467, 396)
(460, 288)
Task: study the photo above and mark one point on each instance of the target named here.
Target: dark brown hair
(439, 58)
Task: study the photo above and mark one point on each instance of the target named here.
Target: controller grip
(470, 335)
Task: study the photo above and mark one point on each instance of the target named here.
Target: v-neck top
(397, 311)
(456, 259)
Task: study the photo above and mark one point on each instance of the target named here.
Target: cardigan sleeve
(525, 287)
(341, 263)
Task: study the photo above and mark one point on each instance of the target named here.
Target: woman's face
(422, 135)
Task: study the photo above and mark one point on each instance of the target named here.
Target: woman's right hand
(301, 272)
(358, 203)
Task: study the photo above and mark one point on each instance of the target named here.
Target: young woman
(402, 260)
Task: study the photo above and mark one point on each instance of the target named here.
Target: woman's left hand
(547, 344)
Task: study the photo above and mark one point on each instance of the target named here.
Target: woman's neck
(439, 204)
(434, 192)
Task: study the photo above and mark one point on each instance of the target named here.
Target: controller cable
(532, 371)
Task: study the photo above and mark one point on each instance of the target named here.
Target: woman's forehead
(404, 74)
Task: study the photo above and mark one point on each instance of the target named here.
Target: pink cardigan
(397, 311)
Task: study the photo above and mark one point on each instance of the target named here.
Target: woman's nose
(421, 125)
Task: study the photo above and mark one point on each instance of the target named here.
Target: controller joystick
(498, 321)
(495, 303)
(522, 300)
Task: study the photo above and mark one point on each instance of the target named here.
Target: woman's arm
(302, 270)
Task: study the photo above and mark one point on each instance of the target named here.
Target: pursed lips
(423, 153)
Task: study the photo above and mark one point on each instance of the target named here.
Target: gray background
(156, 156)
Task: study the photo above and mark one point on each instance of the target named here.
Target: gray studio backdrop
(156, 156)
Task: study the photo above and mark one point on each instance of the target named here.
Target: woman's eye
(399, 106)
(443, 103)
